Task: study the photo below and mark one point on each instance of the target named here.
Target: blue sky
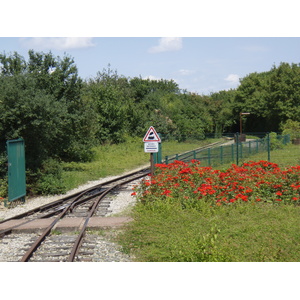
(198, 64)
(205, 46)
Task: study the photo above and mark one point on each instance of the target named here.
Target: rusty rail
(77, 201)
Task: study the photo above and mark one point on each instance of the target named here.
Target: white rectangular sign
(151, 147)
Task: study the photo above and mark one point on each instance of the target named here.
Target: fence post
(237, 148)
(221, 154)
(269, 146)
(208, 153)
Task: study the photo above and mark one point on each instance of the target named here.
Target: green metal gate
(16, 170)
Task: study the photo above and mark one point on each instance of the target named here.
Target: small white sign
(151, 147)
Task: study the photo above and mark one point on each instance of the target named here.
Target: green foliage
(3, 175)
(48, 179)
(292, 128)
(41, 101)
(275, 142)
(110, 96)
(271, 97)
(220, 107)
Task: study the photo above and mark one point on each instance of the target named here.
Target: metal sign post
(151, 140)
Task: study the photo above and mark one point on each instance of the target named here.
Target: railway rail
(84, 204)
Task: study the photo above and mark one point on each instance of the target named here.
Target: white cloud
(57, 43)
(233, 78)
(151, 77)
(167, 44)
(186, 72)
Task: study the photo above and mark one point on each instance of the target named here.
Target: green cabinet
(16, 169)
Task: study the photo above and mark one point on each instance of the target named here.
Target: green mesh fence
(233, 151)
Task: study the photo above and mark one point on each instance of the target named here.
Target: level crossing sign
(151, 136)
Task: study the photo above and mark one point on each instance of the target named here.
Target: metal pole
(240, 123)
(269, 147)
(152, 164)
(221, 154)
(237, 148)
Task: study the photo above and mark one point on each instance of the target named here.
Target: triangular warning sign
(151, 136)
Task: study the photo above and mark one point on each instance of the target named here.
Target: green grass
(113, 160)
(243, 233)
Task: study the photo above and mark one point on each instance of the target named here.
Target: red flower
(184, 171)
(166, 192)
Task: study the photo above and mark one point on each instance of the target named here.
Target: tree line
(62, 117)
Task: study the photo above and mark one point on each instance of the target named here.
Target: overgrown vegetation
(62, 118)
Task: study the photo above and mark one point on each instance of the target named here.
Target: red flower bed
(252, 182)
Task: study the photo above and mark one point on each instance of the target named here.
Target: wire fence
(239, 149)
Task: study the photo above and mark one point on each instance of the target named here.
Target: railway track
(78, 245)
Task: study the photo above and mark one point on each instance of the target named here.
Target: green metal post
(241, 150)
(159, 154)
(269, 147)
(221, 154)
(237, 148)
(155, 158)
(208, 153)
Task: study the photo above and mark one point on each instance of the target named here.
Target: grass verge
(243, 233)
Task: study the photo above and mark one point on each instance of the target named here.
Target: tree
(41, 102)
(111, 98)
(220, 107)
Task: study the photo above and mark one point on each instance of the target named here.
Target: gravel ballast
(106, 250)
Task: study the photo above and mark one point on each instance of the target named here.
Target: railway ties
(77, 242)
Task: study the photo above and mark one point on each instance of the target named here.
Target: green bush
(292, 128)
(48, 179)
(3, 176)
(275, 142)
